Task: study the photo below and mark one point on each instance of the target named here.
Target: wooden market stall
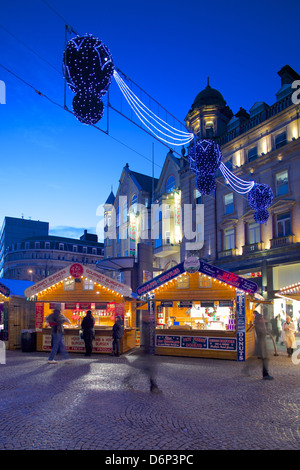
(201, 310)
(16, 314)
(74, 290)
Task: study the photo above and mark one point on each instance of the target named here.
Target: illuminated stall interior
(202, 315)
(198, 302)
(74, 295)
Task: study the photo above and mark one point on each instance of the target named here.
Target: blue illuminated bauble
(205, 158)
(206, 184)
(88, 68)
(260, 198)
(87, 108)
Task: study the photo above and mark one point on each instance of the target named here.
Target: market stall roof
(115, 264)
(290, 292)
(14, 286)
(192, 265)
(78, 270)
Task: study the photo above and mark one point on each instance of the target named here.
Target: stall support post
(241, 325)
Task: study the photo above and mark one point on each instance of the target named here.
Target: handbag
(81, 334)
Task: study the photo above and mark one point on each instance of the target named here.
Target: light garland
(240, 186)
(88, 68)
(148, 118)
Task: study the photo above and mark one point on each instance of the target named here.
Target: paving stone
(206, 404)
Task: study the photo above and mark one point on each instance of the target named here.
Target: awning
(116, 264)
(291, 292)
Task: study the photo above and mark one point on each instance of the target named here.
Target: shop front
(74, 290)
(287, 302)
(202, 311)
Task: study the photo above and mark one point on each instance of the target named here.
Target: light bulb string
(143, 119)
(133, 101)
(141, 105)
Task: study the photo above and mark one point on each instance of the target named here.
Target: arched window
(170, 184)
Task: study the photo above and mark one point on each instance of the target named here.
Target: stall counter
(201, 343)
(101, 344)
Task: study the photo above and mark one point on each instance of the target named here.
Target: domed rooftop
(207, 97)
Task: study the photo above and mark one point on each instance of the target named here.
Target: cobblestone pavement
(206, 404)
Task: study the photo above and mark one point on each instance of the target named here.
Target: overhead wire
(233, 181)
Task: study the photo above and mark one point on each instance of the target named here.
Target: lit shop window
(229, 242)
(282, 183)
(280, 140)
(284, 224)
(254, 232)
(228, 203)
(183, 282)
(204, 281)
(252, 154)
(69, 284)
(88, 285)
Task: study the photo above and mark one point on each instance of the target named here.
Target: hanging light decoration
(260, 198)
(88, 68)
(205, 158)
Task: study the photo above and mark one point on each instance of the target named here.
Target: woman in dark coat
(87, 326)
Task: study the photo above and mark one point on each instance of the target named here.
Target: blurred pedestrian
(261, 349)
(261, 343)
(56, 321)
(88, 332)
(276, 327)
(117, 334)
(288, 335)
(146, 360)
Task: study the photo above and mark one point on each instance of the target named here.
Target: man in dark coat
(87, 326)
(117, 334)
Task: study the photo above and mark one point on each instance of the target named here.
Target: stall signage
(70, 306)
(204, 268)
(192, 264)
(207, 304)
(194, 342)
(227, 277)
(102, 344)
(167, 303)
(4, 290)
(241, 340)
(185, 304)
(161, 279)
(224, 344)
(39, 316)
(76, 270)
(169, 341)
(241, 325)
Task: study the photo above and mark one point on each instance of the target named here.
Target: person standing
(261, 344)
(56, 321)
(117, 334)
(276, 327)
(288, 337)
(88, 328)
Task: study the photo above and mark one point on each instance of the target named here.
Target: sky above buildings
(55, 169)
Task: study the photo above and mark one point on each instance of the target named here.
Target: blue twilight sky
(55, 169)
